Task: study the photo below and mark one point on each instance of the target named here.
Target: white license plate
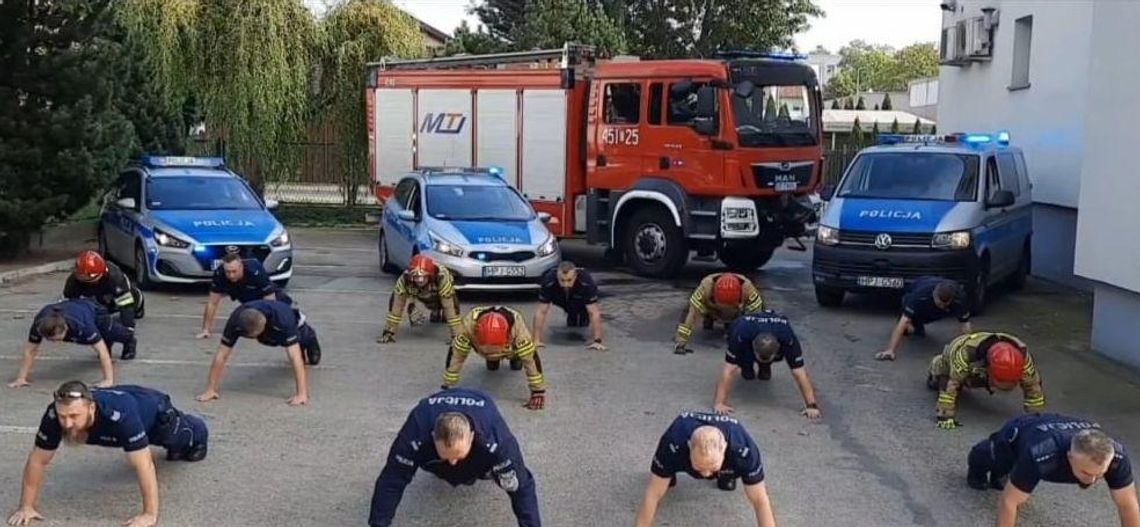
(494, 271)
(785, 186)
(215, 265)
(880, 281)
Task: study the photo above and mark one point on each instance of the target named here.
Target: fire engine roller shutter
(496, 137)
(443, 128)
(544, 145)
(394, 127)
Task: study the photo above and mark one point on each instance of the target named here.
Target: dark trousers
(576, 315)
(996, 454)
(114, 331)
(184, 436)
(307, 337)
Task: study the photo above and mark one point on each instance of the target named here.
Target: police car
(173, 219)
(472, 222)
(955, 206)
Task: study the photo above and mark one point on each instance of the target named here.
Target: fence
(835, 161)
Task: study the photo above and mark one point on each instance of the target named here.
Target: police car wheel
(386, 264)
(142, 273)
(978, 291)
(102, 244)
(829, 296)
(1016, 281)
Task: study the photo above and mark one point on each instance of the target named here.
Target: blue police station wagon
(172, 220)
(472, 222)
(955, 206)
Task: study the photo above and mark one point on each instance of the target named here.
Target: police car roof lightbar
(183, 161)
(494, 171)
(972, 139)
(775, 55)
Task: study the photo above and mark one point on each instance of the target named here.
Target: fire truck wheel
(746, 258)
(654, 245)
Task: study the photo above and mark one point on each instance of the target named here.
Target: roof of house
(432, 31)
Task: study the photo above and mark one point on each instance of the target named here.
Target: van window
(912, 175)
(623, 103)
(1009, 173)
(993, 181)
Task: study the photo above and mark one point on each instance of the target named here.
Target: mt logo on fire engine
(443, 123)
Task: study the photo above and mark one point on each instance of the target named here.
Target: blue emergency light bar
(775, 55)
(494, 171)
(183, 161)
(972, 139)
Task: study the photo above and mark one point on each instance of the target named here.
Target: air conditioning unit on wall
(952, 51)
(978, 44)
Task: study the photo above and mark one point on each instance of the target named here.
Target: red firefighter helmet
(726, 290)
(90, 266)
(492, 329)
(1006, 362)
(422, 265)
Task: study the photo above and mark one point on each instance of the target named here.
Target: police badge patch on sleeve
(508, 481)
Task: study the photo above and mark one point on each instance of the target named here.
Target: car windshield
(774, 116)
(476, 202)
(198, 193)
(912, 175)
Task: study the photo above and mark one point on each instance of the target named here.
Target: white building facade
(1060, 77)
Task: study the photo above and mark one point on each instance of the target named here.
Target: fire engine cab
(653, 159)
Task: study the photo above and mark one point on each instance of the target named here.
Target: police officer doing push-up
(719, 297)
(459, 436)
(983, 360)
(77, 321)
(243, 281)
(707, 446)
(102, 281)
(928, 299)
(272, 323)
(755, 341)
(573, 290)
(497, 333)
(128, 417)
(1055, 448)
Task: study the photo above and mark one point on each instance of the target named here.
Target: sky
(892, 22)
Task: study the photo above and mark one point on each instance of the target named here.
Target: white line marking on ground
(151, 315)
(179, 362)
(8, 429)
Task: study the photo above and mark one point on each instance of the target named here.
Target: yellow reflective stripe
(947, 398)
(400, 288)
(534, 378)
(526, 350)
(124, 300)
(755, 303)
(1035, 401)
(446, 289)
(394, 317)
(453, 322)
(450, 378)
(462, 345)
(537, 380)
(1029, 369)
(684, 329)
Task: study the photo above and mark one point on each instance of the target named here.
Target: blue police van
(954, 206)
(173, 219)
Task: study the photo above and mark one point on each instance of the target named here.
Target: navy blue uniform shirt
(280, 324)
(584, 292)
(747, 327)
(495, 455)
(1041, 444)
(741, 460)
(123, 417)
(82, 317)
(254, 284)
(918, 303)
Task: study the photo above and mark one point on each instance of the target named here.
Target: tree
(856, 133)
(62, 135)
(887, 102)
(472, 41)
(882, 68)
(861, 105)
(847, 105)
(915, 61)
(917, 126)
(552, 23)
(933, 129)
(835, 104)
(770, 109)
(784, 112)
(876, 107)
(354, 33)
(895, 126)
(875, 132)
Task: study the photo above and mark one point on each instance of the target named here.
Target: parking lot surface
(876, 459)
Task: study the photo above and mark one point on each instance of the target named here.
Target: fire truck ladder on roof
(567, 56)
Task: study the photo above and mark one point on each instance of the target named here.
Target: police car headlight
(166, 239)
(825, 235)
(951, 240)
(439, 244)
(282, 240)
(548, 247)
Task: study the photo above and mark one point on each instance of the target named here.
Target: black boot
(129, 350)
(707, 324)
(493, 365)
(312, 353)
(764, 371)
(977, 481)
(516, 364)
(726, 483)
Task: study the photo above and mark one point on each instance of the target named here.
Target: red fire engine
(653, 159)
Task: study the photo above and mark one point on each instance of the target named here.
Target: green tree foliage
(856, 134)
(887, 102)
(933, 129)
(684, 28)
(848, 105)
(784, 113)
(770, 109)
(882, 68)
(466, 40)
(527, 24)
(354, 33)
(62, 134)
(895, 126)
(917, 126)
(875, 131)
(835, 104)
(861, 105)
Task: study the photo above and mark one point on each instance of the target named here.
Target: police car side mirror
(272, 204)
(406, 215)
(1001, 198)
(126, 203)
(544, 217)
(827, 192)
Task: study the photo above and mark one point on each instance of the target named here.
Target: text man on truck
(652, 159)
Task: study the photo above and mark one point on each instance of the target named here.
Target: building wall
(1046, 119)
(1115, 312)
(820, 62)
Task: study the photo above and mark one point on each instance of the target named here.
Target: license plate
(215, 265)
(504, 270)
(785, 186)
(880, 281)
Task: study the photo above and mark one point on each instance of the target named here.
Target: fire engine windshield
(476, 202)
(778, 115)
(912, 175)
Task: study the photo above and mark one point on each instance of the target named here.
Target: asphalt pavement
(875, 460)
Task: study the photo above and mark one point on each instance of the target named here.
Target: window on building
(655, 102)
(1022, 37)
(623, 103)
